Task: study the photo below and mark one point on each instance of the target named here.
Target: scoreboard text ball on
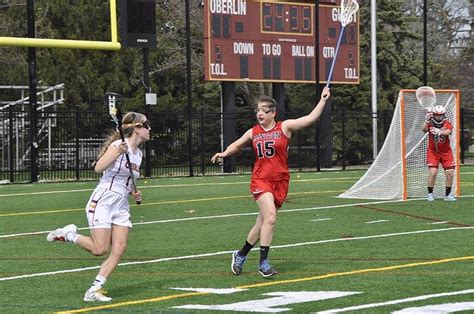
(274, 41)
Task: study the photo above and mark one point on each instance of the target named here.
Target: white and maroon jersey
(117, 176)
(271, 153)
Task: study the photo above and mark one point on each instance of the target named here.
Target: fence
(68, 143)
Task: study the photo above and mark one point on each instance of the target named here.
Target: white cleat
(450, 198)
(96, 295)
(430, 197)
(60, 233)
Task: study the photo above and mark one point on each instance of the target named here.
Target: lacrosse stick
(113, 101)
(348, 9)
(426, 97)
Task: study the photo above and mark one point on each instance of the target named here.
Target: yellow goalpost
(70, 44)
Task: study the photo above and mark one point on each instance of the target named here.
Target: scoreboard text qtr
(273, 41)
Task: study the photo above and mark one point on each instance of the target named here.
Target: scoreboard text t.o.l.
(273, 41)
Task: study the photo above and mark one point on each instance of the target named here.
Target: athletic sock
(70, 237)
(430, 189)
(264, 253)
(448, 190)
(76, 236)
(245, 249)
(98, 283)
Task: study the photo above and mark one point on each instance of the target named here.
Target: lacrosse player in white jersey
(108, 211)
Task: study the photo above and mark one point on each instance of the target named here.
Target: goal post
(400, 170)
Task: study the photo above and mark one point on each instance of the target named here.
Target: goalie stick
(113, 100)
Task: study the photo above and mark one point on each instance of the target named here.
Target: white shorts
(106, 208)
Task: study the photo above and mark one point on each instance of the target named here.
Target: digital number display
(273, 41)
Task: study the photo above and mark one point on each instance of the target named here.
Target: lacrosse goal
(400, 171)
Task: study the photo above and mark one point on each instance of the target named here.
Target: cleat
(266, 269)
(237, 263)
(450, 198)
(430, 197)
(60, 233)
(96, 295)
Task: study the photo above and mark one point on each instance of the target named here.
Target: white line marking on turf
(229, 252)
(438, 223)
(320, 219)
(223, 216)
(418, 298)
(376, 221)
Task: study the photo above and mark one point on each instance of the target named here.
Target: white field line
(170, 186)
(376, 221)
(229, 252)
(399, 301)
(320, 219)
(438, 223)
(220, 216)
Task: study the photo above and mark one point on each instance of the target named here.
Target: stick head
(426, 96)
(113, 101)
(348, 9)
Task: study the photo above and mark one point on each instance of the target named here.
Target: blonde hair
(129, 122)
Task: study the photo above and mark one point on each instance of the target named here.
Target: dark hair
(267, 99)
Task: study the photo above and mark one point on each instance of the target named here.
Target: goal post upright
(458, 142)
(403, 146)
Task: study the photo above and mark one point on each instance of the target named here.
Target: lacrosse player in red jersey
(108, 211)
(270, 176)
(439, 150)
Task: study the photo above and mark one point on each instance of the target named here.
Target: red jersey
(271, 153)
(441, 141)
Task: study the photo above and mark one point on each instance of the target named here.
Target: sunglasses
(145, 125)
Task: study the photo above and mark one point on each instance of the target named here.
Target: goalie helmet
(439, 114)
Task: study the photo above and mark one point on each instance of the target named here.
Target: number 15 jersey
(271, 153)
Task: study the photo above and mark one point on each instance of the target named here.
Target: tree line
(88, 74)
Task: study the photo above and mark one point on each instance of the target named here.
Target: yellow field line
(273, 283)
(355, 272)
(159, 203)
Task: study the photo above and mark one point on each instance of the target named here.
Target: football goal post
(400, 170)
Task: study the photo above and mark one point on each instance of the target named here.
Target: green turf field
(342, 255)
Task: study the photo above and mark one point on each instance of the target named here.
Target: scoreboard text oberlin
(273, 41)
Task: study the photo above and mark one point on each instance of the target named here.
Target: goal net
(400, 171)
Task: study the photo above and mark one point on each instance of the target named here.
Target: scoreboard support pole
(228, 121)
(278, 93)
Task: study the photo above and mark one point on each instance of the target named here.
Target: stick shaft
(335, 56)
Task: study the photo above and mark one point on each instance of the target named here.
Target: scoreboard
(274, 41)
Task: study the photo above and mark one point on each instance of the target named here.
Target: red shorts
(446, 159)
(279, 189)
